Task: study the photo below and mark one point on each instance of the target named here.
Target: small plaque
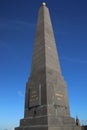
(34, 96)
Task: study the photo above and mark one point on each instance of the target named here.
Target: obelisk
(46, 99)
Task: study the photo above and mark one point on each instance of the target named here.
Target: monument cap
(43, 4)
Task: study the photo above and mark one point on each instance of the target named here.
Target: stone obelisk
(46, 99)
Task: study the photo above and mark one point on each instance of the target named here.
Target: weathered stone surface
(46, 99)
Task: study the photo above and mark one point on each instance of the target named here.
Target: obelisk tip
(43, 4)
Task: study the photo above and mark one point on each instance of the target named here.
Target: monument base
(48, 123)
(49, 128)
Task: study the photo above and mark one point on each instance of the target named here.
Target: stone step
(47, 128)
(34, 121)
(50, 120)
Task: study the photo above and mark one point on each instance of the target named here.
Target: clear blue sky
(17, 31)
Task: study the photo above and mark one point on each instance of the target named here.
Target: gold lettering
(58, 94)
(33, 96)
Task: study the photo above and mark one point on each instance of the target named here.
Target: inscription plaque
(34, 96)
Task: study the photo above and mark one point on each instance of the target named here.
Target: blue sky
(18, 20)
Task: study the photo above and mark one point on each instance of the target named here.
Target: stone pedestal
(48, 123)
